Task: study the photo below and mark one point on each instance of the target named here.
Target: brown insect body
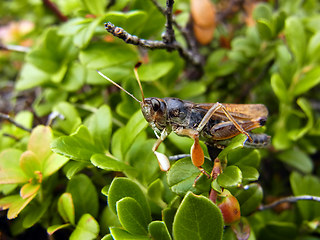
(173, 113)
(213, 123)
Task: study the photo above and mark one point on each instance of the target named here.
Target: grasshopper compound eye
(155, 104)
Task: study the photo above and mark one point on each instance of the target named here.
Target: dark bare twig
(190, 55)
(291, 199)
(131, 39)
(191, 43)
(55, 10)
(169, 36)
(9, 119)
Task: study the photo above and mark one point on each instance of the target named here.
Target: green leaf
(43, 59)
(297, 159)
(230, 177)
(35, 212)
(107, 237)
(10, 171)
(75, 78)
(15, 203)
(286, 63)
(30, 164)
(182, 175)
(244, 157)
(102, 55)
(154, 71)
(197, 218)
(109, 164)
(120, 234)
(191, 89)
(307, 81)
(236, 142)
(66, 208)
(306, 185)
(131, 21)
(155, 189)
(31, 76)
(296, 38)
(29, 189)
(47, 100)
(158, 231)
(83, 37)
(265, 29)
(84, 195)
(78, 146)
(314, 47)
(39, 142)
(53, 163)
(279, 88)
(100, 126)
(87, 228)
(52, 229)
(136, 124)
(71, 119)
(249, 173)
(306, 107)
(108, 219)
(262, 11)
(131, 216)
(95, 7)
(124, 187)
(73, 167)
(249, 198)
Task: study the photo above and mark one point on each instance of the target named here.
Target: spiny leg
(212, 110)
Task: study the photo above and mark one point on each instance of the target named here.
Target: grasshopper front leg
(163, 161)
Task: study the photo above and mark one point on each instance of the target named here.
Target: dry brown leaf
(203, 13)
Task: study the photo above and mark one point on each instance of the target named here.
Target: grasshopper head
(155, 112)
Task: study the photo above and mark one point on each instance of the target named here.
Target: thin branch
(10, 136)
(131, 39)
(169, 36)
(180, 156)
(191, 43)
(9, 119)
(55, 10)
(15, 48)
(290, 199)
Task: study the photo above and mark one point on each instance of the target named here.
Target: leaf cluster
(92, 174)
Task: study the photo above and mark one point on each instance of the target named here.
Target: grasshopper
(213, 123)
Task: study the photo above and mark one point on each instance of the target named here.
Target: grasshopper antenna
(138, 80)
(116, 84)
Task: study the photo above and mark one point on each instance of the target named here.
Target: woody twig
(55, 10)
(9, 119)
(291, 199)
(169, 42)
(151, 44)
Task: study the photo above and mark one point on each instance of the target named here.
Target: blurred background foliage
(260, 52)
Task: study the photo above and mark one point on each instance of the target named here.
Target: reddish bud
(229, 207)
